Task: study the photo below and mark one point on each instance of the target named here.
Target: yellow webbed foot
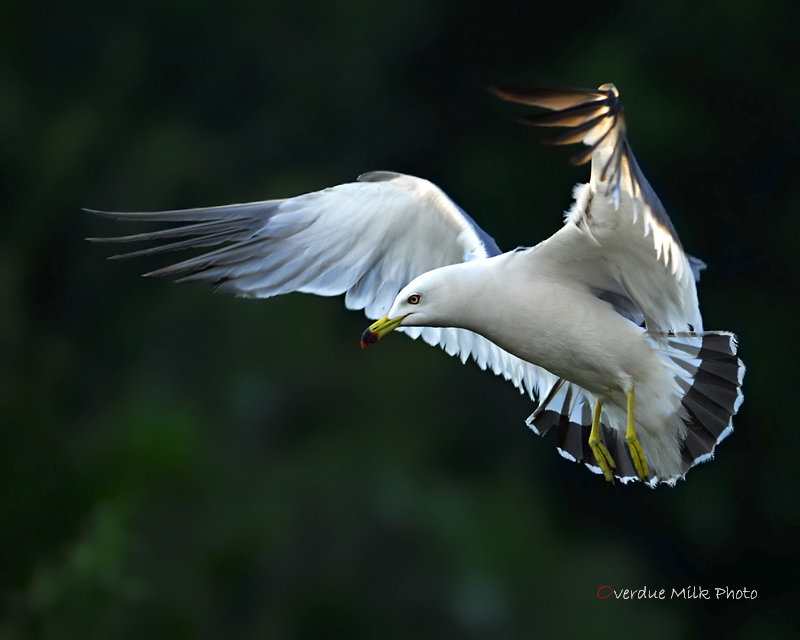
(637, 454)
(601, 454)
(603, 457)
(639, 461)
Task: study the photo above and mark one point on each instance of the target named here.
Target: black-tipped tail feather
(711, 378)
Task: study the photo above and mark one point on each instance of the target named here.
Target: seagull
(599, 324)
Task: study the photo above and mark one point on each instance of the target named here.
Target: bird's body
(543, 320)
(603, 311)
(582, 340)
(554, 322)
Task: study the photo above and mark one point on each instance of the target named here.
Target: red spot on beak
(368, 338)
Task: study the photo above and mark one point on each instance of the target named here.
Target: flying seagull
(599, 323)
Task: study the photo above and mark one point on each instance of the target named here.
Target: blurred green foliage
(176, 464)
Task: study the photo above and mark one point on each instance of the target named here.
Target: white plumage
(607, 305)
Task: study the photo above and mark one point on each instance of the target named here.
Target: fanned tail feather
(710, 375)
(707, 370)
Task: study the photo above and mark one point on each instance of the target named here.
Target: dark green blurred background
(179, 464)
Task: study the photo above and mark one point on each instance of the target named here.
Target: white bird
(605, 307)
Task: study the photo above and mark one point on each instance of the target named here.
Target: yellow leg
(639, 461)
(601, 454)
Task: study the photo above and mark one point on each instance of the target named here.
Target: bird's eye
(414, 298)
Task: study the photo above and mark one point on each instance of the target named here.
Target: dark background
(179, 464)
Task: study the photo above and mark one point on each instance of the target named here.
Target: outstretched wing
(365, 239)
(618, 238)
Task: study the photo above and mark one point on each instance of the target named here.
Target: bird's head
(424, 302)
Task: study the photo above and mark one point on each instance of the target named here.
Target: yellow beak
(379, 329)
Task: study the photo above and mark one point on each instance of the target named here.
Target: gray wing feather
(366, 240)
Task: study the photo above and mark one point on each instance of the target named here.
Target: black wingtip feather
(576, 116)
(547, 98)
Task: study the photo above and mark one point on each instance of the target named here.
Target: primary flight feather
(600, 323)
